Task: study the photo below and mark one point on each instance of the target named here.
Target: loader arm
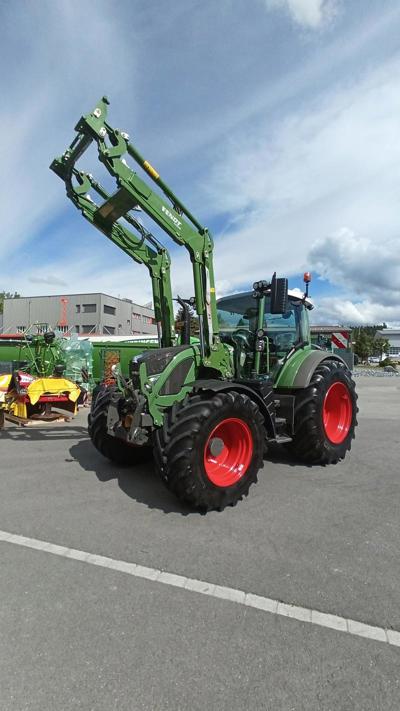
(172, 216)
(143, 247)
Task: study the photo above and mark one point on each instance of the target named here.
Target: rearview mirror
(279, 295)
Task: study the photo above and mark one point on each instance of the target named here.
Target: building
(79, 313)
(393, 336)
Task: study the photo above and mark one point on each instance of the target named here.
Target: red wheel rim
(337, 412)
(228, 452)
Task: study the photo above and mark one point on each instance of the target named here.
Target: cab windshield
(238, 315)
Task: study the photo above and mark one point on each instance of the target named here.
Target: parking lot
(92, 634)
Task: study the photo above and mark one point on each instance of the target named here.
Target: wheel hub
(216, 446)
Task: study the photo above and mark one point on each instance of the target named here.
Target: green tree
(7, 295)
(381, 346)
(364, 344)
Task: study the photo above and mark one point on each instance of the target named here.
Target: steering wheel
(283, 341)
(243, 337)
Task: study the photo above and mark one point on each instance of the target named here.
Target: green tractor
(207, 410)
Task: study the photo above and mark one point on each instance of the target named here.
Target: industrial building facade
(84, 314)
(393, 336)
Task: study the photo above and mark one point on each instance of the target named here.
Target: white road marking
(258, 602)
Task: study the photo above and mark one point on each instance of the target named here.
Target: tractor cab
(280, 333)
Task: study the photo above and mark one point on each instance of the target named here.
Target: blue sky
(276, 121)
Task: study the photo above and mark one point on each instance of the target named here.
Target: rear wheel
(210, 449)
(325, 415)
(112, 448)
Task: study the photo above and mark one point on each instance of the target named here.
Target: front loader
(209, 410)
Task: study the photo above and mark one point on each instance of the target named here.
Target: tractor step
(282, 439)
(281, 435)
(281, 430)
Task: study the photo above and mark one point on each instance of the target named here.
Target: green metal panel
(287, 374)
(296, 373)
(151, 388)
(11, 351)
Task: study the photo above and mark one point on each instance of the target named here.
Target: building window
(89, 308)
(109, 310)
(147, 319)
(21, 329)
(394, 350)
(78, 308)
(88, 329)
(110, 330)
(63, 329)
(77, 328)
(134, 315)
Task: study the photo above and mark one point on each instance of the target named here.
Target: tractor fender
(306, 369)
(266, 403)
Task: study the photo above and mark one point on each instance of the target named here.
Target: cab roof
(241, 300)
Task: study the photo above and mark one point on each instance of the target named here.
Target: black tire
(181, 443)
(311, 442)
(2, 419)
(96, 390)
(112, 448)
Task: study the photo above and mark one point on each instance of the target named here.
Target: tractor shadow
(278, 454)
(140, 483)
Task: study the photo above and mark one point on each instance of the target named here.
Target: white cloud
(288, 186)
(334, 163)
(49, 279)
(48, 84)
(367, 266)
(307, 13)
(264, 94)
(355, 313)
(97, 265)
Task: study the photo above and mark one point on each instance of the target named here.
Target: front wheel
(325, 415)
(210, 449)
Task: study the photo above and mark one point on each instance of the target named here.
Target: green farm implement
(33, 385)
(208, 410)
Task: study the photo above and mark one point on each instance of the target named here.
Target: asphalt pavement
(77, 636)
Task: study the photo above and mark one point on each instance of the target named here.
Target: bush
(386, 361)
